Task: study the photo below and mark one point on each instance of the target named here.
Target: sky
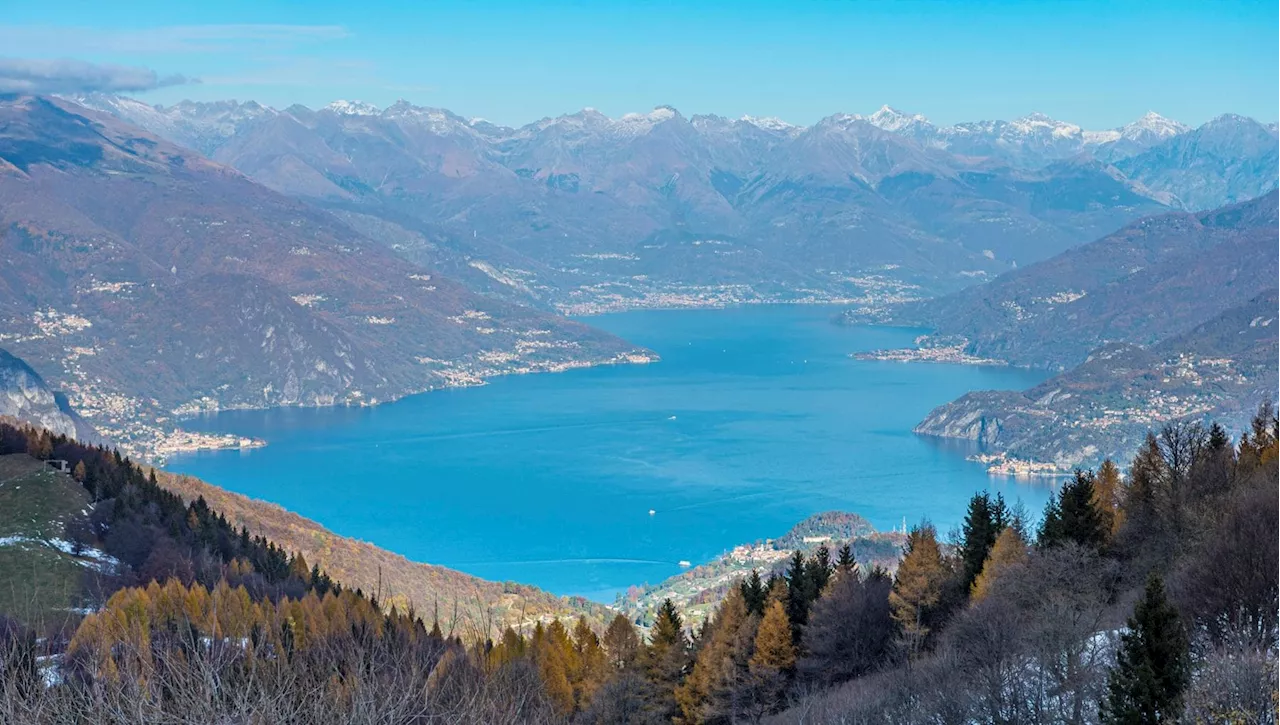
(1097, 64)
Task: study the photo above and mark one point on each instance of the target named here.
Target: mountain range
(149, 282)
(585, 213)
(205, 256)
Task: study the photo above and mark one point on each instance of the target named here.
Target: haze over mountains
(148, 281)
(206, 256)
(584, 212)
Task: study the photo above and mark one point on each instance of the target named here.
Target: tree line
(1146, 596)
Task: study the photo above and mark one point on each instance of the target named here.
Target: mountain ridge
(219, 293)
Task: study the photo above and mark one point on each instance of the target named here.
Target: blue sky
(1099, 64)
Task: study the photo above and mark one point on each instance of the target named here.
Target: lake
(755, 418)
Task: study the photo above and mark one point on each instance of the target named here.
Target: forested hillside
(1146, 596)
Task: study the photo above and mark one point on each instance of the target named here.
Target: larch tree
(773, 660)
(707, 694)
(621, 642)
(1008, 550)
(918, 587)
(1108, 497)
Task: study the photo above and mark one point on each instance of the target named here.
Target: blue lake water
(755, 418)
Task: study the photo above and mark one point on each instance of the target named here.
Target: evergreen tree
(983, 522)
(845, 563)
(800, 594)
(1153, 664)
(665, 660)
(819, 570)
(1072, 516)
(754, 593)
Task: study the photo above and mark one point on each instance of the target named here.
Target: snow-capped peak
(768, 123)
(352, 108)
(1035, 123)
(891, 119)
(1154, 123)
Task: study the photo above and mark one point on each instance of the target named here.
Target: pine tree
(1153, 664)
(754, 593)
(1072, 516)
(800, 594)
(819, 570)
(665, 660)
(845, 563)
(983, 522)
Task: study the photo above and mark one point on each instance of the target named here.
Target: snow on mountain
(1153, 124)
(891, 119)
(771, 123)
(200, 126)
(352, 108)
(1038, 123)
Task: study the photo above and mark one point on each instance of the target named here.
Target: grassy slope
(38, 583)
(480, 605)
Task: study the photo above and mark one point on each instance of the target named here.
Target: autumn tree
(590, 665)
(1153, 664)
(1008, 550)
(621, 642)
(773, 660)
(553, 654)
(1108, 497)
(918, 587)
(712, 691)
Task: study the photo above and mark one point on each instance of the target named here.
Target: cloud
(27, 75)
